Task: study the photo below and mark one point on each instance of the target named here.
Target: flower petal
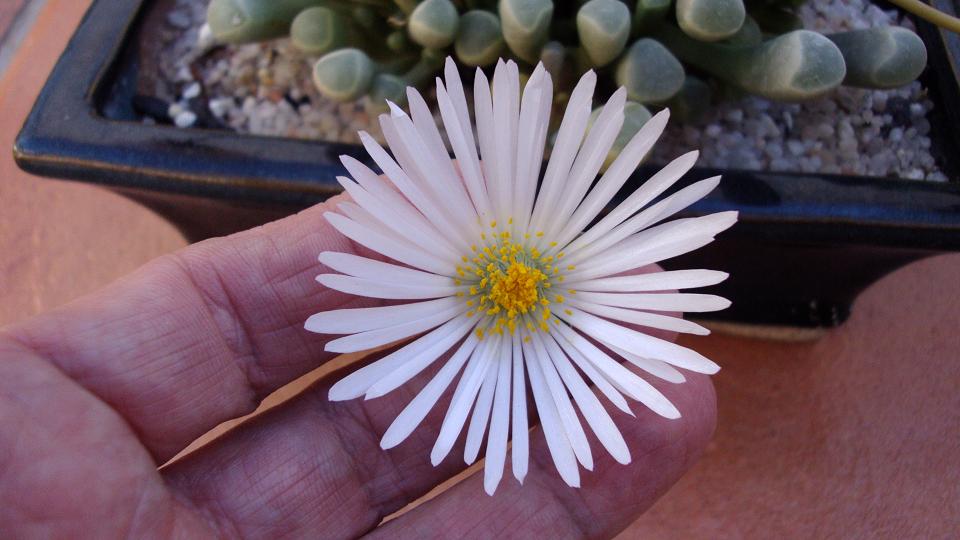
(383, 289)
(557, 442)
(657, 184)
(641, 318)
(362, 267)
(387, 215)
(534, 121)
(499, 423)
(589, 160)
(486, 136)
(520, 451)
(568, 416)
(346, 321)
(463, 398)
(639, 343)
(597, 378)
(411, 217)
(389, 246)
(481, 410)
(432, 171)
(504, 144)
(412, 367)
(657, 368)
(357, 383)
(654, 245)
(405, 184)
(571, 133)
(371, 339)
(457, 97)
(625, 380)
(465, 150)
(653, 281)
(615, 176)
(686, 302)
(593, 412)
(415, 411)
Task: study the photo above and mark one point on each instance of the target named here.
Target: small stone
(915, 174)
(795, 147)
(205, 39)
(185, 119)
(220, 106)
(179, 19)
(175, 109)
(191, 91)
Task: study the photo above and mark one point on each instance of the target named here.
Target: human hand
(95, 396)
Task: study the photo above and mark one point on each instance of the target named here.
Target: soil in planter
(265, 89)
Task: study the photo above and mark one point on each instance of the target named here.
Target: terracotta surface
(59, 239)
(856, 435)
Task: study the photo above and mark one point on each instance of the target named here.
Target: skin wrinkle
(362, 475)
(116, 382)
(376, 476)
(167, 271)
(237, 338)
(294, 483)
(90, 419)
(372, 432)
(247, 344)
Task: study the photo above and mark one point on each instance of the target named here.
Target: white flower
(506, 279)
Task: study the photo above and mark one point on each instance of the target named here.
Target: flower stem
(930, 14)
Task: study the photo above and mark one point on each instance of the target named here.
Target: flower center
(510, 283)
(515, 290)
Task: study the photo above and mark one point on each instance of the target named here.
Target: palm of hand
(94, 397)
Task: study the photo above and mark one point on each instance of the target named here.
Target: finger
(612, 495)
(71, 467)
(199, 336)
(313, 465)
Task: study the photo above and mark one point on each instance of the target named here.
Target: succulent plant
(650, 72)
(795, 66)
(604, 28)
(885, 57)
(679, 53)
(710, 20)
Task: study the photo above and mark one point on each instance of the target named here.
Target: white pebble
(205, 39)
(191, 91)
(179, 19)
(185, 119)
(795, 147)
(220, 106)
(175, 109)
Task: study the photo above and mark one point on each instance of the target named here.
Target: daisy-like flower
(504, 281)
